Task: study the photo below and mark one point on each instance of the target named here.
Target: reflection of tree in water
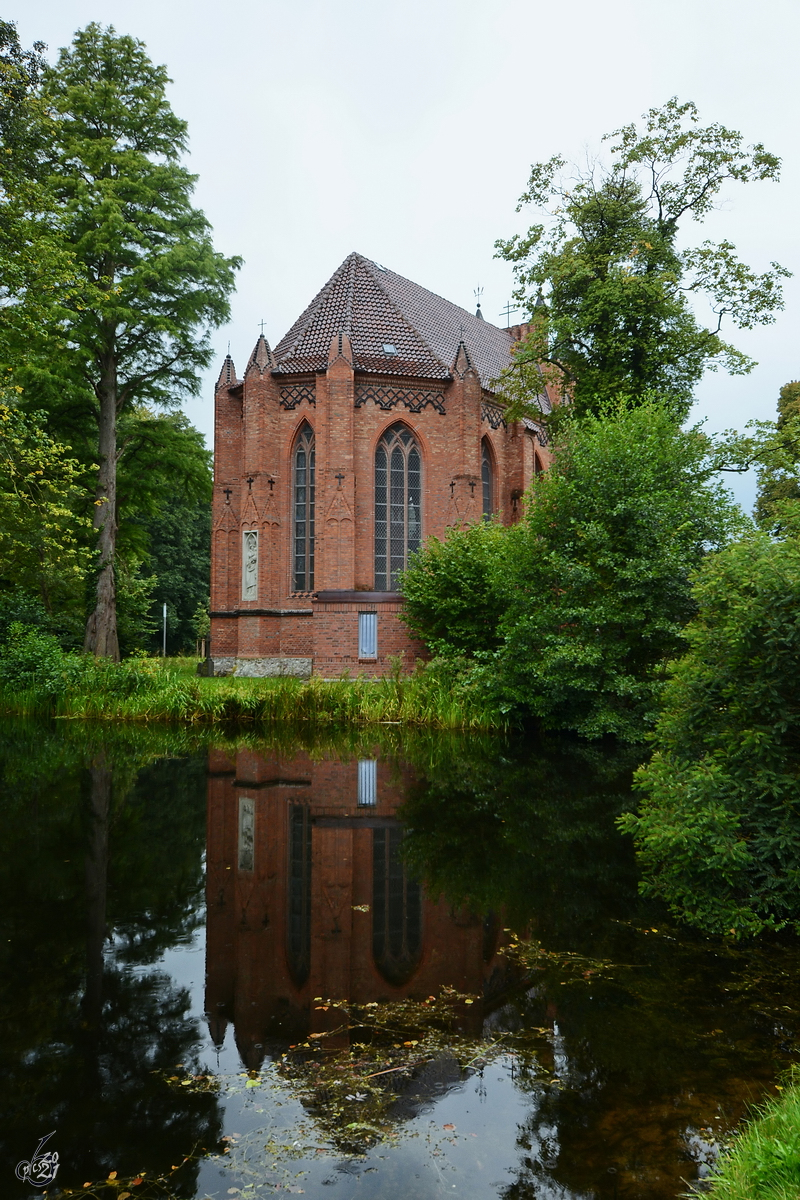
(636, 1056)
(526, 827)
(95, 851)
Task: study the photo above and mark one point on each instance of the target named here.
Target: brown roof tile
(378, 308)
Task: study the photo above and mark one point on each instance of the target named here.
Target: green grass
(169, 690)
(764, 1163)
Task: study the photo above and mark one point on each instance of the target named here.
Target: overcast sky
(406, 132)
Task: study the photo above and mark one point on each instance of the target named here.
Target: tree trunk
(101, 628)
(96, 892)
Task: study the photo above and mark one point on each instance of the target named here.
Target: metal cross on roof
(507, 311)
(262, 324)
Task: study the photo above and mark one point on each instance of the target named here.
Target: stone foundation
(260, 668)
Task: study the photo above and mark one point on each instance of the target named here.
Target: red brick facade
(383, 362)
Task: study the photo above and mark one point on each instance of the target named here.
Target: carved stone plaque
(250, 564)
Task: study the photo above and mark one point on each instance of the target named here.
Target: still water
(374, 965)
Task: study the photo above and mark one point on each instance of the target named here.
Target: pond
(372, 964)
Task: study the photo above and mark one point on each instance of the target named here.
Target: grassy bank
(764, 1163)
(38, 679)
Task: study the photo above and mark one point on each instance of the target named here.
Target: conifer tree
(154, 286)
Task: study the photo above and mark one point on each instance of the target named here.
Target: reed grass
(162, 690)
(764, 1163)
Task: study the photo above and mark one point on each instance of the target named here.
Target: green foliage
(140, 689)
(619, 318)
(42, 540)
(201, 620)
(779, 469)
(599, 573)
(453, 590)
(764, 1163)
(180, 560)
(136, 331)
(155, 283)
(718, 832)
(37, 270)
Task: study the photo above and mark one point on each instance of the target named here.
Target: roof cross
(262, 324)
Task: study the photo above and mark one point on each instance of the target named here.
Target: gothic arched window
(396, 910)
(398, 502)
(298, 929)
(487, 478)
(303, 505)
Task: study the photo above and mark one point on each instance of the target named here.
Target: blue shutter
(368, 782)
(367, 635)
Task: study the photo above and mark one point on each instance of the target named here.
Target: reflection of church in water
(307, 896)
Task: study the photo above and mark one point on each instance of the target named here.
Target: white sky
(406, 132)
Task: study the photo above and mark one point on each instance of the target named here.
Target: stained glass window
(303, 497)
(398, 504)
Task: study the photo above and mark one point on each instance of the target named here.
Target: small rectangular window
(367, 635)
(368, 782)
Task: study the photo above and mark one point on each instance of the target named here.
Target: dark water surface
(172, 909)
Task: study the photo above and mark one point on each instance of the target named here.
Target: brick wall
(258, 420)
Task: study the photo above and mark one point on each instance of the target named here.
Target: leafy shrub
(454, 590)
(718, 832)
(599, 577)
(33, 660)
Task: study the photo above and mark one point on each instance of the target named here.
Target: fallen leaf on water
(135, 1182)
(251, 1083)
(124, 1196)
(448, 1127)
(112, 1175)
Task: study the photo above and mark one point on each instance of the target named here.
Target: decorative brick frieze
(388, 398)
(293, 394)
(493, 413)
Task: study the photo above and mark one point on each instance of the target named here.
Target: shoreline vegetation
(764, 1160)
(40, 680)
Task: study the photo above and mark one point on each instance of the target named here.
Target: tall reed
(150, 690)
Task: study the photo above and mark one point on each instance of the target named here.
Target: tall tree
(37, 270)
(617, 318)
(155, 286)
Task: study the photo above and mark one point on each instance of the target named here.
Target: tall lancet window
(303, 501)
(487, 478)
(398, 503)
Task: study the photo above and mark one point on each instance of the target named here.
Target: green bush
(32, 660)
(454, 590)
(599, 576)
(718, 832)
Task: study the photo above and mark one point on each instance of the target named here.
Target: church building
(370, 427)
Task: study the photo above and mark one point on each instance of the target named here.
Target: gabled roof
(377, 308)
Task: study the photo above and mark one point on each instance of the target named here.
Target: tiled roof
(378, 308)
